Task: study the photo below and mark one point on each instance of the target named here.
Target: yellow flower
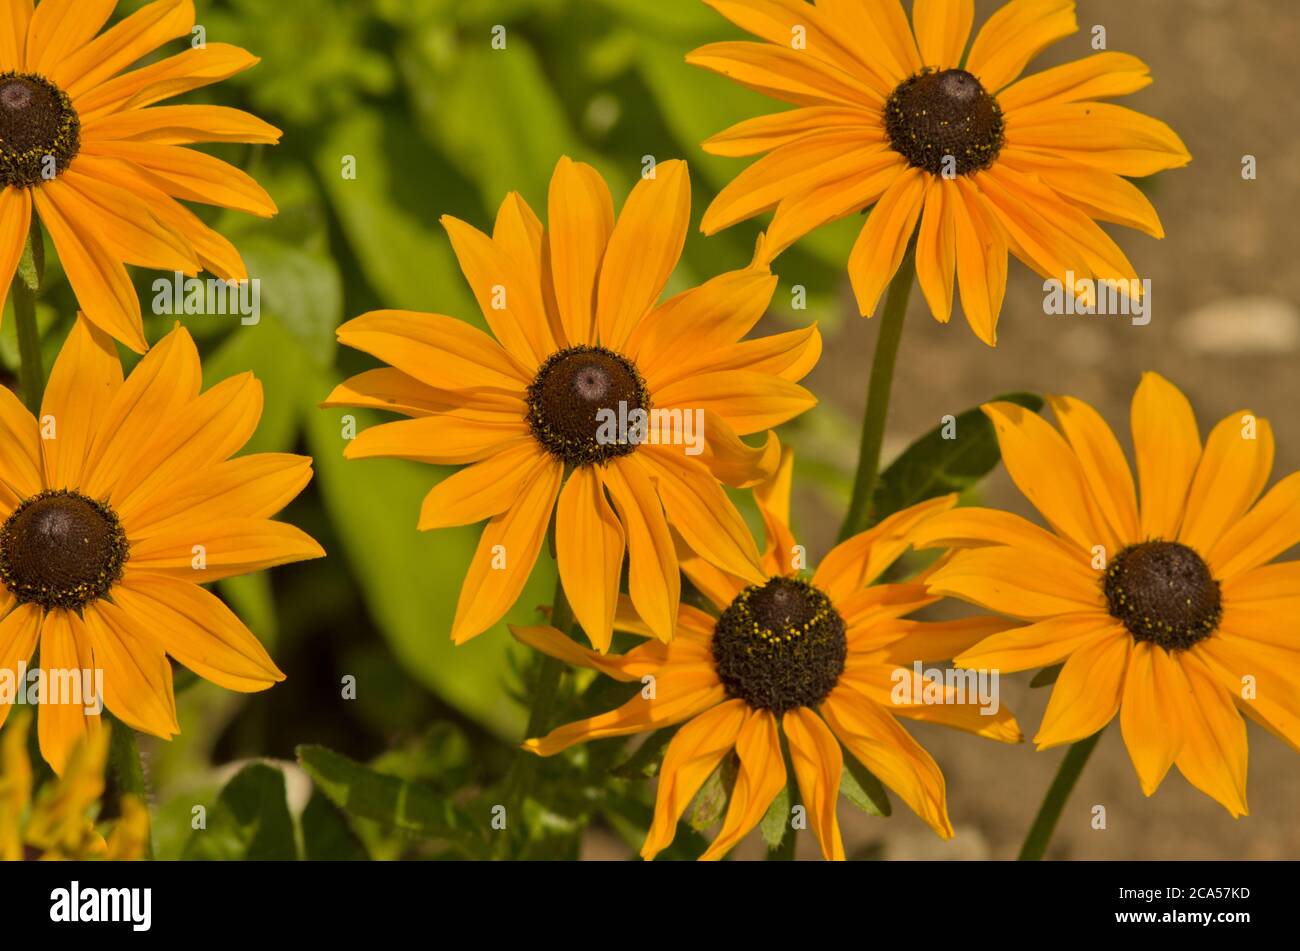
(893, 116)
(582, 342)
(79, 148)
(59, 824)
(1167, 612)
(815, 659)
(114, 508)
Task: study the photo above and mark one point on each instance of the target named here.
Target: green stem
(878, 389)
(1049, 813)
(126, 768)
(547, 687)
(23, 289)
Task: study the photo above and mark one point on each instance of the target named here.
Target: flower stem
(1049, 813)
(878, 389)
(547, 687)
(26, 282)
(126, 768)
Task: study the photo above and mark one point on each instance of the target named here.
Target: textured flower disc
(934, 115)
(1164, 593)
(566, 398)
(780, 645)
(60, 549)
(40, 132)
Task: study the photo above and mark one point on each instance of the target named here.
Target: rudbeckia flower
(817, 660)
(1168, 612)
(114, 508)
(60, 824)
(81, 149)
(905, 120)
(536, 415)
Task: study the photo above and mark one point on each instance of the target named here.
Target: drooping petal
(514, 537)
(653, 581)
(589, 553)
(883, 241)
(885, 748)
(760, 778)
(1087, 693)
(1213, 756)
(65, 647)
(1151, 715)
(692, 756)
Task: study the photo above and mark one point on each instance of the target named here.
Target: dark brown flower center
(587, 405)
(40, 133)
(780, 645)
(60, 549)
(1164, 593)
(945, 122)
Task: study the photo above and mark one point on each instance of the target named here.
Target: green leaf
(649, 756)
(935, 465)
(775, 825)
(397, 804)
(1047, 676)
(326, 835)
(302, 289)
(861, 787)
(411, 579)
(500, 122)
(250, 821)
(708, 805)
(389, 211)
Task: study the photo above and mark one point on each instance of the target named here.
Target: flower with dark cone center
(780, 645)
(60, 549)
(575, 396)
(944, 121)
(40, 133)
(1163, 593)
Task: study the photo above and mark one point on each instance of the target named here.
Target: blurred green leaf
(302, 289)
(395, 803)
(935, 465)
(326, 836)
(775, 824)
(249, 822)
(649, 756)
(861, 787)
(412, 579)
(500, 121)
(389, 213)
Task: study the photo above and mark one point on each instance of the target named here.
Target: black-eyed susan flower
(817, 660)
(542, 417)
(59, 823)
(1166, 612)
(905, 120)
(115, 506)
(84, 148)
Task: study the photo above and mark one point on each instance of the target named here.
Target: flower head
(906, 121)
(1166, 612)
(84, 148)
(815, 660)
(544, 417)
(114, 508)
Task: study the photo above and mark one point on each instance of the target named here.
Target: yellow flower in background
(582, 342)
(81, 149)
(114, 508)
(906, 119)
(1166, 612)
(59, 824)
(817, 660)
